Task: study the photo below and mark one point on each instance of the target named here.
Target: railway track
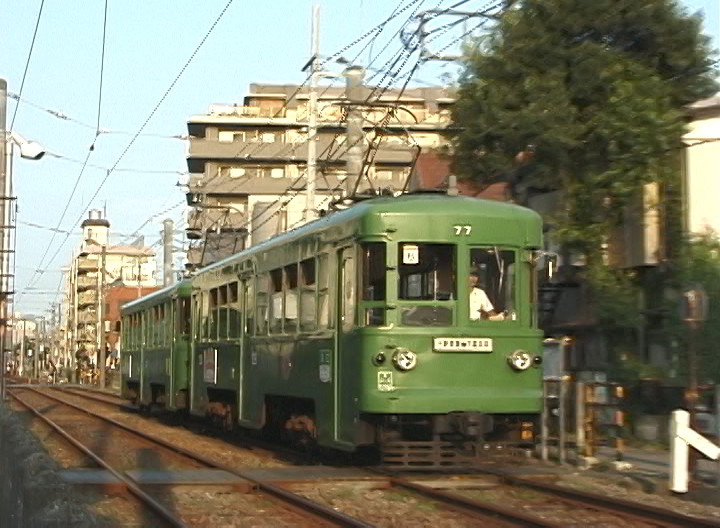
(305, 511)
(490, 498)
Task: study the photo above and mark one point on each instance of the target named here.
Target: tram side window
(156, 324)
(262, 304)
(348, 291)
(308, 311)
(222, 312)
(324, 294)
(132, 337)
(148, 326)
(182, 316)
(235, 311)
(213, 314)
(276, 301)
(250, 306)
(197, 316)
(373, 281)
(204, 315)
(291, 299)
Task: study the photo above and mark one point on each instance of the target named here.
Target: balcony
(86, 264)
(85, 282)
(87, 297)
(87, 317)
(228, 110)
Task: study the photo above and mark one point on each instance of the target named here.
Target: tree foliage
(584, 96)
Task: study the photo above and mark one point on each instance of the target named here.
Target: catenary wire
(27, 63)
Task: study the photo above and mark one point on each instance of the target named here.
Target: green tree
(586, 97)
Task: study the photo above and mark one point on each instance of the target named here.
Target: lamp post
(28, 150)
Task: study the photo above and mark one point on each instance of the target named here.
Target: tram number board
(462, 344)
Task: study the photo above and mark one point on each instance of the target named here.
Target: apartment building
(248, 163)
(96, 267)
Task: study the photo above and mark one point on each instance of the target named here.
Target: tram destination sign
(462, 344)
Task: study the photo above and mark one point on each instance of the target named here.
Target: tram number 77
(462, 230)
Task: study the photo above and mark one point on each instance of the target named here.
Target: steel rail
(129, 484)
(619, 506)
(468, 505)
(298, 502)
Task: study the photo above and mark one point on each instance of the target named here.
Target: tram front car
(445, 349)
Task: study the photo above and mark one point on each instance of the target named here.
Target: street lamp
(28, 150)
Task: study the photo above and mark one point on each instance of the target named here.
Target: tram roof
(183, 289)
(417, 204)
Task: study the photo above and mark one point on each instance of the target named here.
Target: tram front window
(426, 275)
(491, 284)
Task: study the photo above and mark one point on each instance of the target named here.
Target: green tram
(155, 347)
(363, 328)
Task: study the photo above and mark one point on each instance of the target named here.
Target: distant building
(248, 162)
(130, 266)
(702, 167)
(116, 295)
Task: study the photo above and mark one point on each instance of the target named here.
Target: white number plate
(462, 344)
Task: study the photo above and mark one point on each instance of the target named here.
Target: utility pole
(73, 343)
(3, 207)
(167, 252)
(353, 91)
(102, 315)
(22, 348)
(139, 286)
(312, 117)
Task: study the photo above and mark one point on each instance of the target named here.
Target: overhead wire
(27, 63)
(84, 166)
(58, 114)
(142, 127)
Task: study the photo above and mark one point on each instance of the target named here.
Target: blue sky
(147, 45)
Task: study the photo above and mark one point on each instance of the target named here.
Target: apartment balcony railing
(84, 282)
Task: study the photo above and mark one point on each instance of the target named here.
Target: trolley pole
(312, 117)
(353, 91)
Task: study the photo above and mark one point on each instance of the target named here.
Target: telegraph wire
(102, 70)
(85, 163)
(58, 114)
(120, 169)
(27, 63)
(137, 134)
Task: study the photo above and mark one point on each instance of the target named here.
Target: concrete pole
(167, 252)
(580, 419)
(139, 285)
(102, 315)
(312, 117)
(354, 92)
(562, 419)
(73, 347)
(3, 207)
(22, 348)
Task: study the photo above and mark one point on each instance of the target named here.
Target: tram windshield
(491, 284)
(426, 275)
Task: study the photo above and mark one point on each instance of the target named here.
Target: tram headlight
(404, 359)
(520, 360)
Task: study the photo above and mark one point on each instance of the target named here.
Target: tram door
(345, 323)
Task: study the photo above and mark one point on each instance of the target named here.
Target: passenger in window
(480, 305)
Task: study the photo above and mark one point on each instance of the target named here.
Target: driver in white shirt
(480, 305)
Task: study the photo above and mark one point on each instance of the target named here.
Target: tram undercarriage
(453, 440)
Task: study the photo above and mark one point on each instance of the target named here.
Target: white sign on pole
(682, 437)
